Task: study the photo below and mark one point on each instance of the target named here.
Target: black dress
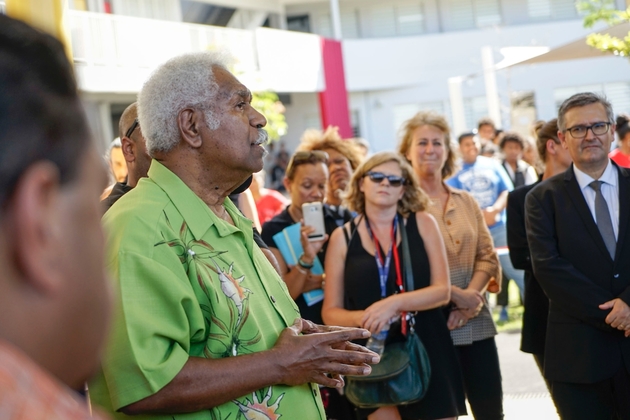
(445, 396)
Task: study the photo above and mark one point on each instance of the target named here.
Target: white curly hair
(182, 82)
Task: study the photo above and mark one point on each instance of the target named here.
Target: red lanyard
(379, 261)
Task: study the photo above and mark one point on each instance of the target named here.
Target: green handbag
(403, 374)
(401, 377)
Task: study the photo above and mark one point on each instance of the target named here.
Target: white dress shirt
(610, 191)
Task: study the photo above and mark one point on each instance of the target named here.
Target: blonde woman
(471, 258)
(361, 277)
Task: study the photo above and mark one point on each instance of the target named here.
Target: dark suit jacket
(576, 272)
(536, 302)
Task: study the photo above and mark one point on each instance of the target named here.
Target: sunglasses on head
(306, 156)
(132, 128)
(378, 177)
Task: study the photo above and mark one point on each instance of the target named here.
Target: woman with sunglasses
(471, 258)
(363, 269)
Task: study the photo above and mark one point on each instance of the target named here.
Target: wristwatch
(302, 264)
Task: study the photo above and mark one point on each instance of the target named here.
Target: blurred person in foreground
(134, 151)
(343, 159)
(365, 259)
(557, 160)
(54, 297)
(579, 239)
(621, 155)
(472, 260)
(204, 326)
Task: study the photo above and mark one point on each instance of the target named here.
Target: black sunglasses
(132, 128)
(378, 177)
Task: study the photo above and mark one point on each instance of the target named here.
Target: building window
(618, 94)
(393, 19)
(487, 13)
(402, 113)
(410, 19)
(299, 23)
(475, 109)
(551, 9)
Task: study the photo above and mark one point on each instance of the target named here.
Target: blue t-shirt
(485, 180)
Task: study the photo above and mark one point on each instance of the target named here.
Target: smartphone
(313, 214)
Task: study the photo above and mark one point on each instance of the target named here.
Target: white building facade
(398, 56)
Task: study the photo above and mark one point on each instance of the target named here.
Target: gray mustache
(263, 137)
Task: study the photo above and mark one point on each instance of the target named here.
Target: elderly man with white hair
(205, 327)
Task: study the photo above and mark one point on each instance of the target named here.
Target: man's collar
(193, 209)
(609, 176)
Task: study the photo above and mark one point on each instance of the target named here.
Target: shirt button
(457, 242)
(616, 276)
(315, 391)
(448, 222)
(273, 299)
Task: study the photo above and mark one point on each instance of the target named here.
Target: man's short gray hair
(186, 81)
(583, 99)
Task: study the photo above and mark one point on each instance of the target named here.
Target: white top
(610, 191)
(529, 172)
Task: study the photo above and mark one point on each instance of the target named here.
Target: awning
(572, 51)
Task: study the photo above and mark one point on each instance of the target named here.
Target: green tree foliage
(270, 106)
(605, 11)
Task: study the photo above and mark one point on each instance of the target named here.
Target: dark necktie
(519, 178)
(602, 218)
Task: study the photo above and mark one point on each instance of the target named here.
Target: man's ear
(563, 140)
(128, 148)
(34, 227)
(190, 121)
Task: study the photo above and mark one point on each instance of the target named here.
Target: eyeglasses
(132, 128)
(378, 177)
(580, 131)
(305, 156)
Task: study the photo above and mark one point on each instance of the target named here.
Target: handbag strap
(407, 271)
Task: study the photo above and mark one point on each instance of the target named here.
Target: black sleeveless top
(445, 396)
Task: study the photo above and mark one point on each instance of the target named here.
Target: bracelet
(301, 270)
(302, 264)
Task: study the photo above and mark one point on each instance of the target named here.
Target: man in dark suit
(557, 160)
(580, 251)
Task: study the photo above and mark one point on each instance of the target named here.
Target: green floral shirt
(190, 284)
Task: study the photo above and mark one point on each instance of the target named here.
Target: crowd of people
(220, 303)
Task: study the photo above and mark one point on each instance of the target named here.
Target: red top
(619, 158)
(270, 204)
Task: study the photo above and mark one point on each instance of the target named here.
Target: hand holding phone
(313, 215)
